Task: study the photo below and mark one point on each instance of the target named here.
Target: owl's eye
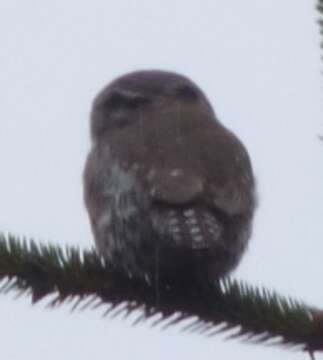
(114, 110)
(187, 92)
(125, 99)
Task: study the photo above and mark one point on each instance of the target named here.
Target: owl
(169, 190)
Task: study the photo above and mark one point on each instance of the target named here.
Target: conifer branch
(256, 314)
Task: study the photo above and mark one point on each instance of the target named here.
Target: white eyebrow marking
(130, 94)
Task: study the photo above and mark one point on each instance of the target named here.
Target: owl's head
(120, 102)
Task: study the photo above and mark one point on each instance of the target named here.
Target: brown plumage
(168, 188)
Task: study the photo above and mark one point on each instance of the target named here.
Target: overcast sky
(258, 62)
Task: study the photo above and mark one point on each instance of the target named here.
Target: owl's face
(120, 103)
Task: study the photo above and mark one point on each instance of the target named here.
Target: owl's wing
(179, 187)
(234, 197)
(174, 187)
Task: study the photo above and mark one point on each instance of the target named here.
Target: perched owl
(169, 190)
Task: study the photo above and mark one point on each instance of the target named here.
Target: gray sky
(259, 63)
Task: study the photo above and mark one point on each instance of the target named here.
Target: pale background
(259, 63)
